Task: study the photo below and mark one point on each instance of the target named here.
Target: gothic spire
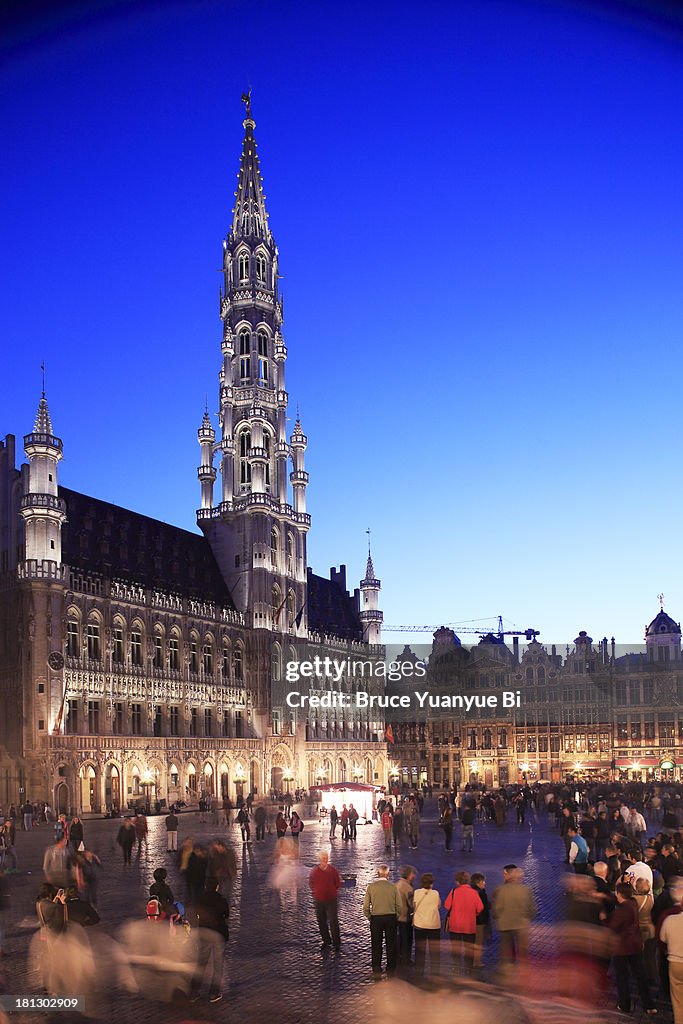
(249, 217)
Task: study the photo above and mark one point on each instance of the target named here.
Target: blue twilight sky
(479, 211)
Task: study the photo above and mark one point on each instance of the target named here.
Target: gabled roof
(115, 543)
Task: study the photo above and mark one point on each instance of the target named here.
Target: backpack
(153, 909)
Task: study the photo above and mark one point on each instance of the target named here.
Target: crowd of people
(622, 930)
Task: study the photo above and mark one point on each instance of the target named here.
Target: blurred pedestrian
(210, 916)
(126, 839)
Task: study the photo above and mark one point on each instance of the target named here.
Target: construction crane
(530, 634)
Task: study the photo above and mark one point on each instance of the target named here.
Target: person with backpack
(210, 917)
(161, 891)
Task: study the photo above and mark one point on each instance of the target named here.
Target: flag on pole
(389, 734)
(277, 613)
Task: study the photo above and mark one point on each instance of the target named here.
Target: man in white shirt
(639, 870)
(637, 826)
(671, 934)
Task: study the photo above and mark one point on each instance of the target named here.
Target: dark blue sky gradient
(479, 213)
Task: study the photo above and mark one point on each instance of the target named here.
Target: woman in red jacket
(628, 950)
(462, 905)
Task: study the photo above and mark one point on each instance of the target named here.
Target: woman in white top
(427, 925)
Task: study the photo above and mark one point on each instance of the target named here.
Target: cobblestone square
(274, 967)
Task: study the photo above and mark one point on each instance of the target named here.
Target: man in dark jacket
(171, 832)
(126, 839)
(211, 918)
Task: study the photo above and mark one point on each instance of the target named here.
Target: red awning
(637, 762)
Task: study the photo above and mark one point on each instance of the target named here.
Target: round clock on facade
(56, 661)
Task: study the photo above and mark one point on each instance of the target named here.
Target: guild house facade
(139, 660)
(594, 711)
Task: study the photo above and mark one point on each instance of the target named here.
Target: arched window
(245, 466)
(207, 657)
(136, 644)
(194, 652)
(268, 445)
(274, 542)
(158, 647)
(237, 665)
(276, 663)
(487, 739)
(226, 660)
(261, 268)
(291, 608)
(540, 675)
(529, 675)
(503, 738)
(290, 554)
(243, 263)
(93, 637)
(73, 636)
(174, 652)
(262, 344)
(244, 338)
(472, 739)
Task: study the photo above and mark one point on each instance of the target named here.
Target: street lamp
(287, 778)
(524, 767)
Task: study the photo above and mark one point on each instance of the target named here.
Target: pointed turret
(42, 510)
(206, 436)
(371, 616)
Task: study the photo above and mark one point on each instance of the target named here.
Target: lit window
(117, 653)
(72, 639)
(136, 647)
(245, 467)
